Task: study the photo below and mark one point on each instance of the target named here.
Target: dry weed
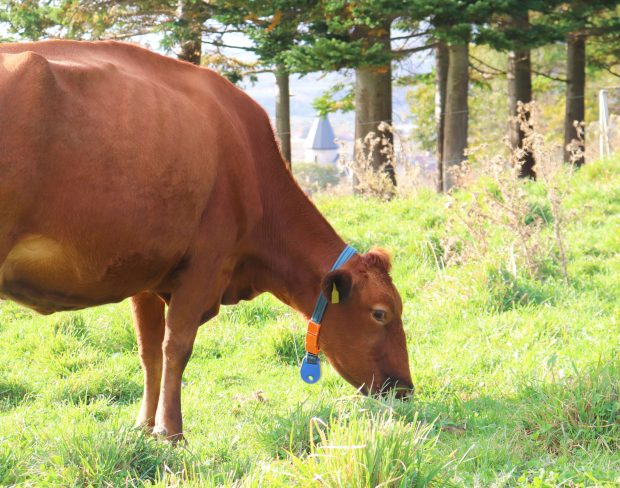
(397, 157)
(498, 200)
(368, 179)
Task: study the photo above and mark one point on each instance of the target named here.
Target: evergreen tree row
(303, 36)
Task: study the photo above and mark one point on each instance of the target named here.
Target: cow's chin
(384, 387)
(370, 387)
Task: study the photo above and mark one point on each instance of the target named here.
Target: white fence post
(603, 116)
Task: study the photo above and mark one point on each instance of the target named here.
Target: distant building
(321, 147)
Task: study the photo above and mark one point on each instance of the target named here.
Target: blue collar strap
(311, 366)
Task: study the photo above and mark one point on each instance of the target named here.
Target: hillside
(517, 374)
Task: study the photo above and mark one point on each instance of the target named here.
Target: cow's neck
(298, 246)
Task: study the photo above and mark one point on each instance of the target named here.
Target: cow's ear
(379, 257)
(337, 285)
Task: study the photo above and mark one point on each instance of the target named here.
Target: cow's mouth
(401, 388)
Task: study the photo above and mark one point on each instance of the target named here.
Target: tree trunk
(190, 51)
(190, 41)
(441, 68)
(373, 108)
(575, 96)
(456, 116)
(283, 113)
(520, 90)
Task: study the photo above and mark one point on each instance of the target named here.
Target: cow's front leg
(181, 326)
(149, 322)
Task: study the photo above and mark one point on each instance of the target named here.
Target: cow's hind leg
(148, 319)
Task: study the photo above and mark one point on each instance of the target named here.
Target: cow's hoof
(161, 433)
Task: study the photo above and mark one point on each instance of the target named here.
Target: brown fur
(128, 174)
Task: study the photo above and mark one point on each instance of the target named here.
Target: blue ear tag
(310, 368)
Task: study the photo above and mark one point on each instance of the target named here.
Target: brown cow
(124, 173)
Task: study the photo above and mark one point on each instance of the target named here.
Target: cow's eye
(379, 315)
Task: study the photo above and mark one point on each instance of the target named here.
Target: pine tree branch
(411, 50)
(483, 63)
(502, 72)
(483, 72)
(219, 44)
(111, 36)
(547, 75)
(410, 36)
(609, 70)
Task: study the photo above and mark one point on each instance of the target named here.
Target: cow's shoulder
(26, 68)
(19, 60)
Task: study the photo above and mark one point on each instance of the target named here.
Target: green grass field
(517, 379)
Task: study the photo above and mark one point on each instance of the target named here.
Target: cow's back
(111, 159)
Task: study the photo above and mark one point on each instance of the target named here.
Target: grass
(517, 379)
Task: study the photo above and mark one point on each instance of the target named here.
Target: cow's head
(362, 335)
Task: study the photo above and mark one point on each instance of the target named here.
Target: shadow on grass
(13, 394)
(287, 346)
(507, 292)
(88, 388)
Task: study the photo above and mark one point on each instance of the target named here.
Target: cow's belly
(44, 275)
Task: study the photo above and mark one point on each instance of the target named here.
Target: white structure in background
(321, 147)
(603, 117)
